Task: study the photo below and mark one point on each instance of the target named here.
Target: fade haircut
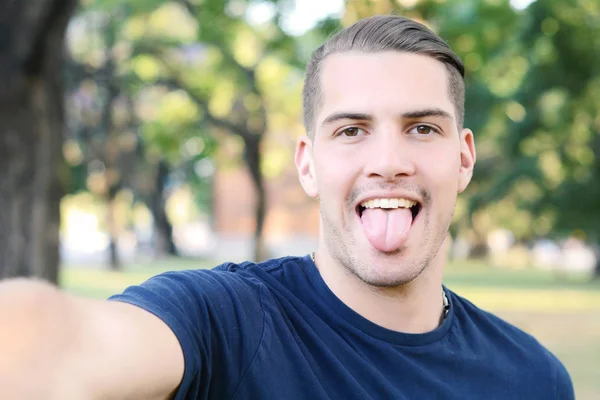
(377, 34)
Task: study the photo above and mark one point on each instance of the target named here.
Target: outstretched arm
(56, 346)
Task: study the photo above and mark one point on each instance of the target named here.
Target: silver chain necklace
(445, 301)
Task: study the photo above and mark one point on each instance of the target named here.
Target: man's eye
(424, 129)
(351, 131)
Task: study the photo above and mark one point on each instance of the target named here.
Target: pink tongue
(386, 229)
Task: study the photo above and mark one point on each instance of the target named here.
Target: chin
(387, 282)
(389, 273)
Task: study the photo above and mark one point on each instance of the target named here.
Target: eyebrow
(346, 115)
(427, 112)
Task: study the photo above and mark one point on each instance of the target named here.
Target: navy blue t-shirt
(275, 331)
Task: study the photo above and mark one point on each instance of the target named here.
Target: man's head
(375, 35)
(387, 155)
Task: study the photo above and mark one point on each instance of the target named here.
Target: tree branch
(176, 82)
(249, 73)
(52, 20)
(189, 7)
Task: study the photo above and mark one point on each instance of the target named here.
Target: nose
(390, 156)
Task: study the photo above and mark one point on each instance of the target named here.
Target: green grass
(100, 284)
(473, 273)
(563, 313)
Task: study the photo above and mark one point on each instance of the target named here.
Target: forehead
(385, 82)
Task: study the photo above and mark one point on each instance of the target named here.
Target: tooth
(388, 203)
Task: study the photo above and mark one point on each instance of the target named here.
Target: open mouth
(390, 204)
(387, 222)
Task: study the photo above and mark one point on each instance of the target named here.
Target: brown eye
(351, 131)
(423, 129)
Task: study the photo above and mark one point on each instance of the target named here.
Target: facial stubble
(341, 244)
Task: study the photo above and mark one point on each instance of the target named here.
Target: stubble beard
(341, 245)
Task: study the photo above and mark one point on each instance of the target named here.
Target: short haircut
(378, 34)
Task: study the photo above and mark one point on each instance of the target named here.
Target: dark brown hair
(377, 34)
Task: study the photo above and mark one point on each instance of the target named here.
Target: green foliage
(193, 70)
(203, 69)
(559, 43)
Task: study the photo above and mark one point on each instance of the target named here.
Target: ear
(467, 159)
(305, 166)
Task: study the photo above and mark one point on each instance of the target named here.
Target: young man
(366, 317)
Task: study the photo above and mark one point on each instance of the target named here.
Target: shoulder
(226, 284)
(491, 328)
(198, 304)
(471, 317)
(185, 286)
(286, 271)
(271, 266)
(216, 314)
(511, 345)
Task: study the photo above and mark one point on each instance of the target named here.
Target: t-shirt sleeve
(218, 318)
(564, 385)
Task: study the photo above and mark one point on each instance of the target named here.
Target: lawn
(563, 313)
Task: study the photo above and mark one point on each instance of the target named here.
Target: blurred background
(138, 136)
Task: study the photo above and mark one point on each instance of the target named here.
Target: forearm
(37, 327)
(54, 346)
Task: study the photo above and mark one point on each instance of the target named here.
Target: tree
(31, 133)
(106, 129)
(556, 142)
(218, 69)
(249, 125)
(100, 117)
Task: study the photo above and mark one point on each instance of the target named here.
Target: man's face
(386, 162)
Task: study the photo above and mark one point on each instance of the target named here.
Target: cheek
(336, 166)
(440, 170)
(330, 177)
(335, 180)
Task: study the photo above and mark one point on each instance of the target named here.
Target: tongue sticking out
(386, 229)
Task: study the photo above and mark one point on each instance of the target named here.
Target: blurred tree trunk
(596, 237)
(479, 249)
(596, 274)
(31, 134)
(113, 231)
(110, 155)
(252, 156)
(163, 230)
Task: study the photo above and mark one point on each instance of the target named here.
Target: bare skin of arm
(56, 346)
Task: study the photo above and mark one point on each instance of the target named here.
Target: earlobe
(467, 159)
(305, 166)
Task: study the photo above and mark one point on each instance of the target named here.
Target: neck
(413, 307)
